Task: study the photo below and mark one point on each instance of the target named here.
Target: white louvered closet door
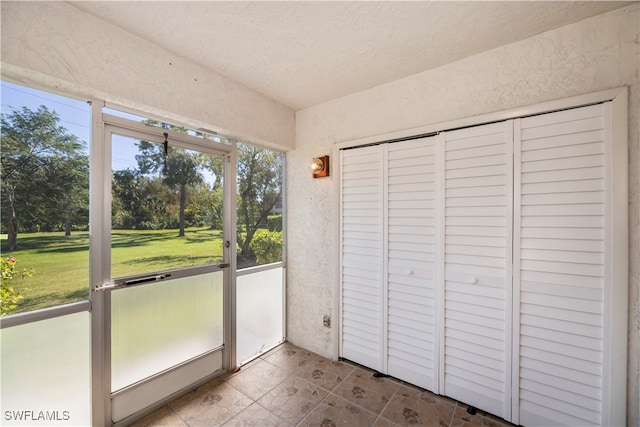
(561, 266)
(477, 211)
(412, 286)
(363, 257)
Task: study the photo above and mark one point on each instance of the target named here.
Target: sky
(75, 116)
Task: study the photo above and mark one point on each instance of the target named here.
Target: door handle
(146, 279)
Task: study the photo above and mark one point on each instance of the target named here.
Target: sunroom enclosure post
(99, 260)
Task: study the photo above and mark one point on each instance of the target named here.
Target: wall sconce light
(320, 166)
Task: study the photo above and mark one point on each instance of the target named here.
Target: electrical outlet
(326, 321)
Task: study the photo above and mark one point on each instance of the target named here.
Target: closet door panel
(477, 215)
(362, 256)
(561, 265)
(412, 354)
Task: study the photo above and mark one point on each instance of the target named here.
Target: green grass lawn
(61, 264)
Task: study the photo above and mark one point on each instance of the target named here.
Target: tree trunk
(246, 250)
(12, 227)
(183, 204)
(12, 233)
(67, 228)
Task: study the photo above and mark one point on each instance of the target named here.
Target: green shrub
(274, 222)
(9, 297)
(267, 246)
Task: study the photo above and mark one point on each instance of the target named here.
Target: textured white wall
(592, 55)
(56, 45)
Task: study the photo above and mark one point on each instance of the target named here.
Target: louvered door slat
(477, 257)
(362, 256)
(411, 349)
(561, 267)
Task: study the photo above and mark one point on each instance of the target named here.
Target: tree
(179, 169)
(126, 200)
(204, 207)
(44, 172)
(216, 165)
(259, 189)
(70, 181)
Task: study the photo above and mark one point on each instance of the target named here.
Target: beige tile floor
(290, 386)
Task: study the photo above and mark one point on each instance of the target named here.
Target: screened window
(260, 206)
(45, 199)
(166, 207)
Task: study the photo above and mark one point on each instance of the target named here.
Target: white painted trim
(229, 205)
(283, 196)
(340, 239)
(44, 314)
(384, 258)
(143, 131)
(336, 326)
(191, 125)
(100, 266)
(440, 158)
(508, 279)
(616, 264)
(259, 268)
(545, 107)
(608, 332)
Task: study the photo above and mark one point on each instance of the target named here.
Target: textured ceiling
(302, 53)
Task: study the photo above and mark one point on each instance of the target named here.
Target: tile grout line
(329, 393)
(453, 414)
(269, 390)
(309, 413)
(387, 404)
(176, 414)
(379, 415)
(352, 403)
(245, 409)
(314, 406)
(226, 381)
(295, 374)
(355, 368)
(319, 402)
(291, 375)
(242, 393)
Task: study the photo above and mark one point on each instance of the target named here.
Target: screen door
(168, 263)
